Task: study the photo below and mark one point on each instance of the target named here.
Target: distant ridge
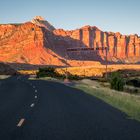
(38, 42)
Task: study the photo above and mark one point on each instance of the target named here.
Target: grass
(28, 72)
(96, 70)
(4, 76)
(129, 104)
(45, 79)
(88, 71)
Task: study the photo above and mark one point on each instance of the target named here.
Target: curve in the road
(59, 113)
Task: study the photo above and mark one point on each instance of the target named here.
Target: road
(43, 110)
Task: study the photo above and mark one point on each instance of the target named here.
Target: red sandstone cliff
(24, 43)
(121, 48)
(40, 43)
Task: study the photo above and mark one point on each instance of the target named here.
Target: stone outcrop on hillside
(37, 42)
(40, 21)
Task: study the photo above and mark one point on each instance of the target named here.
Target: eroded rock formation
(121, 48)
(38, 42)
(25, 44)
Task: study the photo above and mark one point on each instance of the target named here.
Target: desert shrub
(116, 81)
(134, 82)
(51, 72)
(102, 79)
(47, 72)
(73, 77)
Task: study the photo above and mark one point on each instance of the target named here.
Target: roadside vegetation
(119, 80)
(91, 71)
(52, 72)
(127, 103)
(28, 72)
(116, 81)
(4, 77)
(118, 90)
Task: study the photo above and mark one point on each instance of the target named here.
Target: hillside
(38, 42)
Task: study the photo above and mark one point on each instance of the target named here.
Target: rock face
(121, 48)
(40, 21)
(25, 44)
(38, 42)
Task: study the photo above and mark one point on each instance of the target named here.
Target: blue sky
(108, 15)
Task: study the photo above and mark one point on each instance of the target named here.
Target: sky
(108, 15)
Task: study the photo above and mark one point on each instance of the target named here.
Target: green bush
(134, 82)
(116, 81)
(47, 72)
(50, 72)
(73, 77)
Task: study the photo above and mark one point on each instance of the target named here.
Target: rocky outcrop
(121, 48)
(38, 42)
(40, 21)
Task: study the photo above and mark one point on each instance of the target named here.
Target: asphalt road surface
(43, 110)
